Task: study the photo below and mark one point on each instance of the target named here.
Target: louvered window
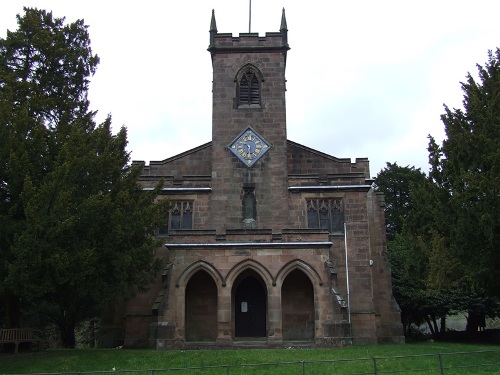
(327, 214)
(180, 216)
(249, 90)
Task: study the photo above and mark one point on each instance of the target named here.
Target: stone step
(298, 344)
(250, 342)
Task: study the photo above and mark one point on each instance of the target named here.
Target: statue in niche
(249, 207)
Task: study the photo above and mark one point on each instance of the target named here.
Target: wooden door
(250, 308)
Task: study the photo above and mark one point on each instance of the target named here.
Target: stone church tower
(255, 240)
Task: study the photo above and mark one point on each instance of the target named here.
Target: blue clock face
(249, 147)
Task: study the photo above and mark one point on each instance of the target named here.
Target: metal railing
(457, 363)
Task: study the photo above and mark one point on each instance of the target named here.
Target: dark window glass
(180, 216)
(326, 214)
(187, 215)
(324, 220)
(312, 215)
(175, 216)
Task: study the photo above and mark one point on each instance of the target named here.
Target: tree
(451, 218)
(396, 183)
(77, 230)
(467, 168)
(423, 275)
(408, 265)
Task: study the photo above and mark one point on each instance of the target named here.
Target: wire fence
(457, 363)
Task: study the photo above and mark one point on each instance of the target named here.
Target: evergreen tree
(76, 229)
(395, 182)
(415, 247)
(444, 231)
(467, 168)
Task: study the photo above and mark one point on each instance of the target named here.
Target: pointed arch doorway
(201, 308)
(250, 306)
(297, 304)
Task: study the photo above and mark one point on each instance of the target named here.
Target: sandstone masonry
(256, 256)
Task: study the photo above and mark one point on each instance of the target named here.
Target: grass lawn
(119, 360)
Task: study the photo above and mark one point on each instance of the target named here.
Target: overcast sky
(364, 78)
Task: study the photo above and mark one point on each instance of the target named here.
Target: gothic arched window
(180, 216)
(249, 87)
(327, 214)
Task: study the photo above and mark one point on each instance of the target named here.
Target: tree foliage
(396, 183)
(469, 171)
(76, 229)
(467, 168)
(415, 247)
(447, 226)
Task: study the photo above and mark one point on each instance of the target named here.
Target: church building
(268, 242)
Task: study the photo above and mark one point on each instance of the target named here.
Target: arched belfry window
(249, 92)
(249, 83)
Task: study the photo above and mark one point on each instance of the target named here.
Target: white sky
(364, 78)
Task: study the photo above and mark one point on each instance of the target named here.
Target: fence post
(441, 363)
(227, 370)
(375, 366)
(303, 368)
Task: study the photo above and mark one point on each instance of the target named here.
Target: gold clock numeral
(242, 152)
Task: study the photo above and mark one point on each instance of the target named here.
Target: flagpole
(250, 17)
(347, 277)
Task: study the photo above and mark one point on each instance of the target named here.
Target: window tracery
(249, 88)
(327, 214)
(180, 216)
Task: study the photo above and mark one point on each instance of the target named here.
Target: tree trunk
(434, 322)
(475, 322)
(429, 323)
(443, 325)
(68, 338)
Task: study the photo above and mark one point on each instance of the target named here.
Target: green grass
(59, 361)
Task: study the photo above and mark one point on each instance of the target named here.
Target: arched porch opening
(297, 306)
(249, 305)
(201, 308)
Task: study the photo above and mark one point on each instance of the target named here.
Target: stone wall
(301, 270)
